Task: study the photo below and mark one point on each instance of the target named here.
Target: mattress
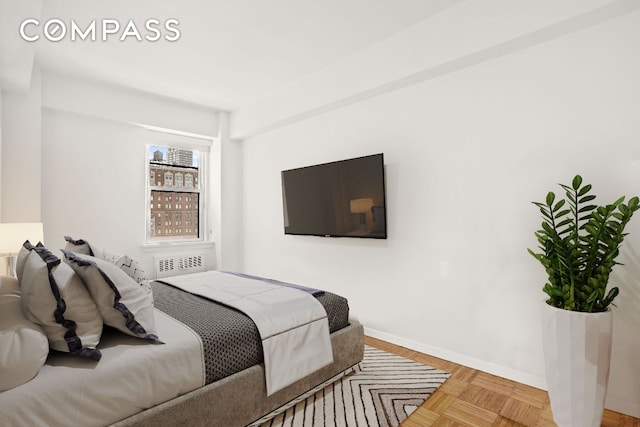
(203, 343)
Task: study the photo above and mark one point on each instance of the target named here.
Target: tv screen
(338, 199)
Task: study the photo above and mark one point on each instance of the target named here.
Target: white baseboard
(623, 406)
(611, 403)
(471, 362)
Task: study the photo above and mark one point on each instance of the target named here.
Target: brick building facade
(174, 209)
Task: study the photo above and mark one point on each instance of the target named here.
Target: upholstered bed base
(241, 398)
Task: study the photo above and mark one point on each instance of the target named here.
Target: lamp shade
(13, 235)
(361, 205)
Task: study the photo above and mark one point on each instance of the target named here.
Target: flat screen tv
(338, 199)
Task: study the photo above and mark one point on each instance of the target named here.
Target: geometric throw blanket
(383, 390)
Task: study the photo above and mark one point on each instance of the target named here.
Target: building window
(188, 180)
(168, 179)
(176, 173)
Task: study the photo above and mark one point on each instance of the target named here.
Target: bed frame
(241, 398)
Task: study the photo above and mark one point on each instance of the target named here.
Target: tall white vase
(577, 349)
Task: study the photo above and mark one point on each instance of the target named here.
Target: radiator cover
(175, 265)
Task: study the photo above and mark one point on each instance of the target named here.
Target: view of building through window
(175, 190)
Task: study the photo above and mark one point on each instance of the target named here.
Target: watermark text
(55, 30)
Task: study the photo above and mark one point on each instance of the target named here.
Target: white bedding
(292, 323)
(132, 375)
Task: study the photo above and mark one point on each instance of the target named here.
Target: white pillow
(23, 344)
(9, 285)
(54, 297)
(123, 304)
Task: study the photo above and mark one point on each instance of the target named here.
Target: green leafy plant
(580, 242)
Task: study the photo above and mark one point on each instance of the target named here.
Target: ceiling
(230, 52)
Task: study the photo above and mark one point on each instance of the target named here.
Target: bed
(156, 381)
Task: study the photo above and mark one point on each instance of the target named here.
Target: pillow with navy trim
(23, 344)
(123, 304)
(79, 246)
(124, 262)
(25, 250)
(55, 298)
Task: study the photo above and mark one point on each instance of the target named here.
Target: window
(188, 180)
(176, 172)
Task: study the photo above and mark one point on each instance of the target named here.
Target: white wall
(428, 49)
(1, 126)
(91, 182)
(229, 228)
(94, 158)
(93, 186)
(21, 154)
(66, 93)
(466, 152)
(4, 263)
(16, 57)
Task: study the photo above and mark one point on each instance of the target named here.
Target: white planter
(577, 349)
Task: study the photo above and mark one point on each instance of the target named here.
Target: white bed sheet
(132, 375)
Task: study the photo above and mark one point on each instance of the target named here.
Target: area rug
(382, 391)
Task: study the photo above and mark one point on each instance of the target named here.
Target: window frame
(197, 143)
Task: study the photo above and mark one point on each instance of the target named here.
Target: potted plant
(579, 243)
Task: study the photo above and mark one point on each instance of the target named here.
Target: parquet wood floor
(472, 398)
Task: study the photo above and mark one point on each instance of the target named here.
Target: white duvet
(292, 323)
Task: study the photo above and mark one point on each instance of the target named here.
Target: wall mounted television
(345, 198)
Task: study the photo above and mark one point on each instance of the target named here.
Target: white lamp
(12, 237)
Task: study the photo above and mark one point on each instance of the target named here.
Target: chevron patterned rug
(382, 391)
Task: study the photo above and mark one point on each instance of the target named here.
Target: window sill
(156, 246)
